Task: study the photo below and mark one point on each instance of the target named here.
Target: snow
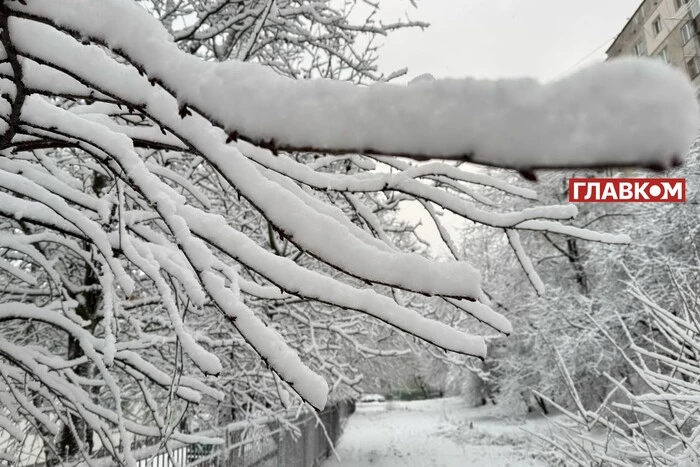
(270, 345)
(624, 112)
(525, 261)
(406, 182)
(23, 185)
(584, 234)
(290, 276)
(433, 433)
(267, 182)
(168, 231)
(450, 278)
(485, 314)
(311, 229)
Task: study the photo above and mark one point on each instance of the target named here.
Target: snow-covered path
(435, 433)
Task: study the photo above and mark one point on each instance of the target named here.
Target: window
(680, 3)
(639, 49)
(687, 32)
(663, 55)
(656, 26)
(640, 16)
(693, 67)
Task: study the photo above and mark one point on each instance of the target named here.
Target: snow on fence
(268, 445)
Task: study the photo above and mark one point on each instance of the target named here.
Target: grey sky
(543, 39)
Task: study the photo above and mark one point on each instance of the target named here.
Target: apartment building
(667, 30)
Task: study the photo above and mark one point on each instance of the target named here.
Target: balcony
(695, 8)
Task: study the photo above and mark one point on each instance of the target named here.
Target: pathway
(435, 433)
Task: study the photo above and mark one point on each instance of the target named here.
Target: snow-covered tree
(581, 277)
(296, 39)
(126, 249)
(649, 417)
(648, 412)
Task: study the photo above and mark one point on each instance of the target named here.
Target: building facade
(664, 29)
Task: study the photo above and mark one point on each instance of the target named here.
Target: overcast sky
(544, 39)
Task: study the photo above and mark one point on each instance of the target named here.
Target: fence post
(280, 449)
(223, 458)
(306, 441)
(318, 436)
(242, 449)
(281, 444)
(234, 437)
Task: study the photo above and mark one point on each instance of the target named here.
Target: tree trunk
(576, 261)
(66, 443)
(542, 404)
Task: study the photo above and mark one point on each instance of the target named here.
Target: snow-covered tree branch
(156, 215)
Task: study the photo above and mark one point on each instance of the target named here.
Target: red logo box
(627, 190)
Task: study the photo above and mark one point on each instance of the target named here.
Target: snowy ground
(436, 433)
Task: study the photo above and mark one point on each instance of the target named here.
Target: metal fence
(265, 445)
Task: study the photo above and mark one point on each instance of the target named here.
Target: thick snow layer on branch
(584, 234)
(624, 112)
(313, 230)
(269, 344)
(297, 280)
(525, 261)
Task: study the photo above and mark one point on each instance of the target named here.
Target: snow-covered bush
(153, 222)
(584, 279)
(650, 418)
(649, 415)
